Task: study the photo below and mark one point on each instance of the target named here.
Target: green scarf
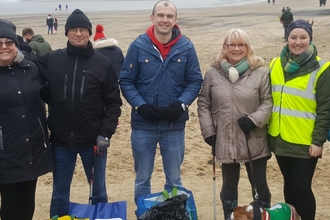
(241, 66)
(292, 64)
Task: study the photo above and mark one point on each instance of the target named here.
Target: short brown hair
(27, 31)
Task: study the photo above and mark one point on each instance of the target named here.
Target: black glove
(211, 141)
(246, 124)
(161, 110)
(147, 111)
(102, 143)
(175, 111)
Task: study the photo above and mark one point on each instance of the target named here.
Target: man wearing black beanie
(85, 106)
(78, 19)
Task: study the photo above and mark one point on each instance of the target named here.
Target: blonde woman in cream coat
(234, 107)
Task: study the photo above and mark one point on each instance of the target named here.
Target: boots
(228, 205)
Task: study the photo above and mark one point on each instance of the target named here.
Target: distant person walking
(55, 25)
(60, 7)
(66, 7)
(283, 9)
(286, 19)
(273, 2)
(50, 23)
(322, 3)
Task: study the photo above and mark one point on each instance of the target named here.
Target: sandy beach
(206, 28)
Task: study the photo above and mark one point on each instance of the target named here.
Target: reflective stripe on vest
(294, 104)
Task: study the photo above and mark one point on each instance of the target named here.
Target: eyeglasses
(8, 43)
(81, 30)
(233, 46)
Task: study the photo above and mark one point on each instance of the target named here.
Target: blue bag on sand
(145, 202)
(100, 210)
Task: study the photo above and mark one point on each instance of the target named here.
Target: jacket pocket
(65, 88)
(1, 139)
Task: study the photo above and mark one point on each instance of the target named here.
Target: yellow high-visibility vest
(294, 104)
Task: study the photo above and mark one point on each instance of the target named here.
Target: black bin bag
(171, 209)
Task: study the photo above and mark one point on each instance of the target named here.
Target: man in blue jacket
(160, 78)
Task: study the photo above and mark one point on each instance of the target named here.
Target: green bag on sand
(67, 217)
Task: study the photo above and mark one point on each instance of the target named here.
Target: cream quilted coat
(222, 102)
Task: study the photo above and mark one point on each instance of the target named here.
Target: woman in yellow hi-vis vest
(300, 118)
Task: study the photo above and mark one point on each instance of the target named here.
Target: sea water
(22, 7)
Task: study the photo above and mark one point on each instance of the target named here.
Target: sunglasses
(7, 43)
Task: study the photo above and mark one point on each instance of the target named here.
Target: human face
(164, 19)
(298, 41)
(235, 50)
(7, 52)
(78, 36)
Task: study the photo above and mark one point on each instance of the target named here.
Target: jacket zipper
(1, 139)
(73, 90)
(43, 133)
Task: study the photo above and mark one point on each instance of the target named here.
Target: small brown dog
(280, 211)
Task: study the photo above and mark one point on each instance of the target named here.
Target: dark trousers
(18, 200)
(285, 27)
(231, 174)
(298, 174)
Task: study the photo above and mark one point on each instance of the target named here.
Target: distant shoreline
(34, 7)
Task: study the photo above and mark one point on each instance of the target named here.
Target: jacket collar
(80, 52)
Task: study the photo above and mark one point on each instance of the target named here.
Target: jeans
(144, 145)
(64, 165)
(50, 29)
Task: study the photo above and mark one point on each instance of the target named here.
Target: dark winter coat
(85, 98)
(25, 153)
(50, 21)
(110, 49)
(27, 51)
(39, 45)
(287, 17)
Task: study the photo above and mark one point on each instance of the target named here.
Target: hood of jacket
(38, 38)
(106, 43)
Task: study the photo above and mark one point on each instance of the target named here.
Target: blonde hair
(239, 34)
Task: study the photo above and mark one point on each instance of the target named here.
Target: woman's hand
(315, 151)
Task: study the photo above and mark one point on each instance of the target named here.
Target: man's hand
(148, 112)
(174, 112)
(102, 143)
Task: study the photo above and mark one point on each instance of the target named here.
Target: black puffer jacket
(25, 153)
(110, 49)
(84, 96)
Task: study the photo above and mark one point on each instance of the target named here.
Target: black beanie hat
(299, 24)
(8, 30)
(78, 19)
